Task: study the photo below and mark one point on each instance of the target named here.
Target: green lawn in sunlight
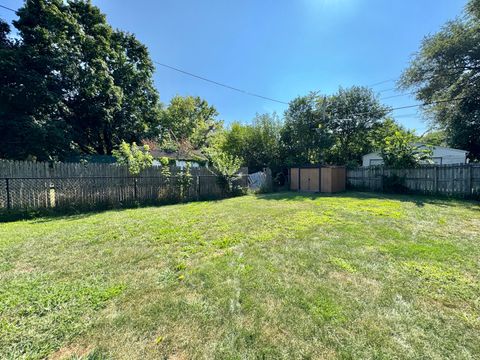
(277, 276)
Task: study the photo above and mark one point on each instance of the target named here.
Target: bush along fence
(37, 185)
(462, 180)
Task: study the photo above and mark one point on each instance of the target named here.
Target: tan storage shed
(326, 179)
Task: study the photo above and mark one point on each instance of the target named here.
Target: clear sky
(278, 48)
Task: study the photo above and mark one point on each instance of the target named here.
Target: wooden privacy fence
(25, 185)
(462, 180)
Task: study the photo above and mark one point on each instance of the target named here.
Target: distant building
(441, 156)
(195, 158)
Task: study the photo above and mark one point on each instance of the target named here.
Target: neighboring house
(195, 158)
(441, 156)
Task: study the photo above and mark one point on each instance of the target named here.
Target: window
(374, 162)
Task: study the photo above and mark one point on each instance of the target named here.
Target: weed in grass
(343, 264)
(441, 281)
(325, 308)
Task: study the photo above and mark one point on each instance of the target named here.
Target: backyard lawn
(275, 276)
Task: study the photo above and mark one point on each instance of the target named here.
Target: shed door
(310, 180)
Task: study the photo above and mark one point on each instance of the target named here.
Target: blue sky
(278, 48)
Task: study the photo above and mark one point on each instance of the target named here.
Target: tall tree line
(445, 73)
(336, 129)
(70, 83)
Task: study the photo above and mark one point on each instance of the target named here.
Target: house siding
(441, 155)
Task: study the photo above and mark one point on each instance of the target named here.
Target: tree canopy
(331, 129)
(445, 73)
(305, 136)
(74, 81)
(136, 158)
(352, 115)
(257, 144)
(399, 150)
(71, 84)
(189, 119)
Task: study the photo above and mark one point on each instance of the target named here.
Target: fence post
(382, 178)
(469, 180)
(135, 188)
(198, 187)
(299, 179)
(435, 179)
(48, 192)
(7, 186)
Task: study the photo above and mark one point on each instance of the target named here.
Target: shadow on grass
(75, 213)
(418, 200)
(81, 212)
(46, 215)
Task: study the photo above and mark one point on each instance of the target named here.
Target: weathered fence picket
(462, 180)
(35, 185)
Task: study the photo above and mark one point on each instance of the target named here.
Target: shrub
(227, 166)
(137, 158)
(165, 169)
(185, 180)
(399, 151)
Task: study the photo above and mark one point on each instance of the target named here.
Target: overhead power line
(385, 90)
(382, 82)
(406, 115)
(412, 106)
(7, 8)
(245, 92)
(395, 96)
(429, 103)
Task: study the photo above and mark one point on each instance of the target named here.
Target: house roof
(194, 155)
(423, 145)
(446, 148)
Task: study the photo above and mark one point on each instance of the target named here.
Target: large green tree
(84, 83)
(305, 136)
(331, 129)
(258, 143)
(433, 138)
(352, 115)
(189, 120)
(445, 74)
(31, 121)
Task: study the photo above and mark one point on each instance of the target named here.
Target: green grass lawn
(276, 276)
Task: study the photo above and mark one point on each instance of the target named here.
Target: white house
(441, 156)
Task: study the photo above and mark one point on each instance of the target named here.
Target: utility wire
(395, 96)
(7, 8)
(382, 82)
(429, 103)
(385, 90)
(406, 115)
(245, 92)
(412, 106)
(283, 102)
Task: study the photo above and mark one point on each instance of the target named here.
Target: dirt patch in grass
(71, 352)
